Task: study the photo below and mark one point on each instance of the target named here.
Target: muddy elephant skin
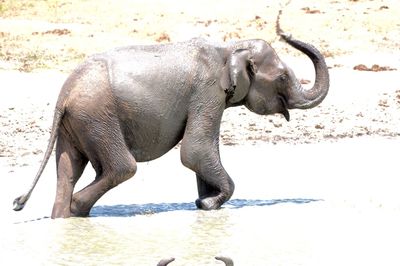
(133, 104)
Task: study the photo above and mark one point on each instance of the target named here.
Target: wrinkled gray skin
(226, 260)
(133, 104)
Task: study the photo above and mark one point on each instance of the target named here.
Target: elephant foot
(67, 212)
(60, 212)
(210, 203)
(79, 214)
(78, 209)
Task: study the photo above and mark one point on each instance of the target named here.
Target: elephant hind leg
(111, 159)
(70, 166)
(113, 172)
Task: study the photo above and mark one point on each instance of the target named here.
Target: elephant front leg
(205, 190)
(200, 153)
(215, 187)
(207, 194)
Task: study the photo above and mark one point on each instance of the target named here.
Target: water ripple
(152, 208)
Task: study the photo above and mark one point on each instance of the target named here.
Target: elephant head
(266, 85)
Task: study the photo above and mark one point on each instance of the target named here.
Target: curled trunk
(308, 98)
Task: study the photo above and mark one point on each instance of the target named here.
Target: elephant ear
(241, 70)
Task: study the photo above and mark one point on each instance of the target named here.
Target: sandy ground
(45, 40)
(351, 137)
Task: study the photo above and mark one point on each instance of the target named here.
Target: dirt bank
(42, 41)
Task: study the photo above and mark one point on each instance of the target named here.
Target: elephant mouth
(282, 99)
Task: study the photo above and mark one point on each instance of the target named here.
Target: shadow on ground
(153, 208)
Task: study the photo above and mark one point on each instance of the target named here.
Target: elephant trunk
(299, 97)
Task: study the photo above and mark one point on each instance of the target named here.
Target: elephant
(133, 104)
(228, 261)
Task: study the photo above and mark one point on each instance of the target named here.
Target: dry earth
(42, 41)
(356, 223)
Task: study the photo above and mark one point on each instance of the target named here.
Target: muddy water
(111, 236)
(276, 232)
(346, 212)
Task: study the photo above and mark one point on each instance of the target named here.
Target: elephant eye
(283, 78)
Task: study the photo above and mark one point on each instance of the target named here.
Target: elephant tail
(19, 203)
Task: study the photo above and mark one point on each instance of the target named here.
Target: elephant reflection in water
(226, 260)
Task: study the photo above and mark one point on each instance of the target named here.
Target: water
(273, 232)
(348, 215)
(143, 234)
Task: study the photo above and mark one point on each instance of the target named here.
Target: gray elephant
(133, 104)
